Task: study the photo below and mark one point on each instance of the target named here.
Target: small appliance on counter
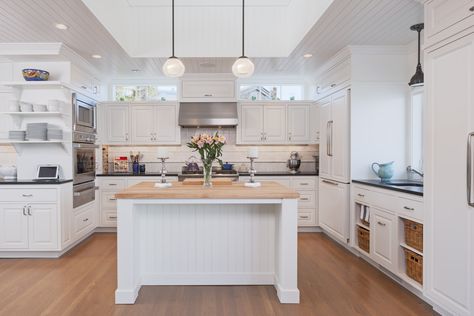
(8, 172)
(47, 172)
(294, 162)
(191, 165)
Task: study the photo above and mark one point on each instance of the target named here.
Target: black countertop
(416, 190)
(130, 174)
(33, 182)
(280, 173)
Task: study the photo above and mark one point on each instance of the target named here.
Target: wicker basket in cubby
(414, 265)
(363, 236)
(413, 234)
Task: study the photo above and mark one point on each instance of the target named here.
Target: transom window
(145, 92)
(287, 92)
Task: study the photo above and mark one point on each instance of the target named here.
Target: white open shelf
(34, 84)
(411, 248)
(33, 141)
(363, 226)
(32, 114)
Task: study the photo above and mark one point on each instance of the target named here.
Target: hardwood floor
(331, 280)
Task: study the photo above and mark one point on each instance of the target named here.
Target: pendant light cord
(243, 28)
(419, 46)
(172, 28)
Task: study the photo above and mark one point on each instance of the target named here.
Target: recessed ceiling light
(308, 55)
(61, 26)
(96, 56)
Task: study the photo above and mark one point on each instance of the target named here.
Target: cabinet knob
(471, 9)
(381, 224)
(85, 219)
(333, 85)
(409, 208)
(361, 195)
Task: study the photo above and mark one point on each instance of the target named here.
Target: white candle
(253, 152)
(162, 152)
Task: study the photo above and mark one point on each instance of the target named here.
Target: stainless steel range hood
(192, 114)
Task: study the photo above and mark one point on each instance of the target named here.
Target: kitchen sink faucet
(410, 170)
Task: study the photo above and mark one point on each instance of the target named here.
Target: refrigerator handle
(469, 169)
(331, 124)
(328, 140)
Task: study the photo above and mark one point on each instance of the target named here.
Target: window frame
(417, 91)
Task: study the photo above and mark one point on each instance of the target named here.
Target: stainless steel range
(216, 173)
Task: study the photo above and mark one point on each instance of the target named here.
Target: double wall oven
(84, 149)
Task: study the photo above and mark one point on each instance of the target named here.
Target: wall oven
(84, 162)
(84, 114)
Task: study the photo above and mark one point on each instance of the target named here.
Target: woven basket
(414, 234)
(414, 265)
(363, 236)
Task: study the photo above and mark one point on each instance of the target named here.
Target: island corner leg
(286, 268)
(127, 279)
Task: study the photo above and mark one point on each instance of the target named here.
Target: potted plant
(210, 149)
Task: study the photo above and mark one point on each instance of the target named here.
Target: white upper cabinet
(142, 124)
(298, 124)
(446, 18)
(314, 114)
(117, 118)
(334, 145)
(274, 126)
(449, 79)
(274, 123)
(134, 124)
(167, 130)
(207, 89)
(333, 79)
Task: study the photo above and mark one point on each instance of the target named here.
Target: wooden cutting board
(219, 181)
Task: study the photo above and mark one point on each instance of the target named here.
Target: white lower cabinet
(42, 226)
(383, 232)
(334, 208)
(13, 226)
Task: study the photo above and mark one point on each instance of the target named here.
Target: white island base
(207, 242)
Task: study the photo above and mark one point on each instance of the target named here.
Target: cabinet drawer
(112, 184)
(362, 195)
(306, 219)
(28, 195)
(303, 184)
(410, 208)
(108, 201)
(307, 199)
(83, 221)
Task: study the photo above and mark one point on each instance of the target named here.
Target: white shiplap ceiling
(345, 22)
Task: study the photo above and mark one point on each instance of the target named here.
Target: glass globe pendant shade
(173, 67)
(243, 67)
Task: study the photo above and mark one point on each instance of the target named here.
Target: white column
(127, 257)
(286, 265)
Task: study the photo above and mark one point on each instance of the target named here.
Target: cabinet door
(324, 158)
(166, 124)
(314, 124)
(450, 219)
(447, 17)
(251, 122)
(42, 226)
(142, 124)
(298, 124)
(274, 124)
(334, 208)
(383, 239)
(117, 124)
(339, 138)
(13, 226)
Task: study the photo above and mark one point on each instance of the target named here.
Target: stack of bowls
(17, 135)
(39, 107)
(26, 107)
(54, 106)
(13, 106)
(37, 131)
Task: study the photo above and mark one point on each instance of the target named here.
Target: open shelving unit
(402, 260)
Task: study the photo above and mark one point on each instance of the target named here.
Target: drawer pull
(381, 224)
(112, 217)
(24, 210)
(27, 195)
(112, 199)
(361, 195)
(85, 219)
(112, 184)
(409, 208)
(330, 182)
(304, 199)
(471, 9)
(304, 183)
(208, 95)
(304, 217)
(333, 85)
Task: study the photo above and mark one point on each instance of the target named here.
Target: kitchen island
(190, 235)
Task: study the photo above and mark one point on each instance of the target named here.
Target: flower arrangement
(210, 149)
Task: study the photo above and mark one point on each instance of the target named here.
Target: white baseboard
(209, 279)
(309, 229)
(127, 296)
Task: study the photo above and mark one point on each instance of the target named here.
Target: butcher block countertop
(268, 190)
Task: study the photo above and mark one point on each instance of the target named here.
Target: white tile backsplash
(7, 155)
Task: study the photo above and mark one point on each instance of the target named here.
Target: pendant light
(243, 66)
(173, 67)
(418, 78)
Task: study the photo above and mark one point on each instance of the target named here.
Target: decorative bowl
(35, 74)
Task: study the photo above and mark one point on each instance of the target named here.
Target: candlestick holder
(252, 171)
(163, 182)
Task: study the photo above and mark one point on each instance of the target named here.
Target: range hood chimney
(205, 114)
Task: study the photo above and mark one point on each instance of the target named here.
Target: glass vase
(207, 172)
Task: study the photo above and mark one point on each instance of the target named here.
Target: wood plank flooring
(331, 281)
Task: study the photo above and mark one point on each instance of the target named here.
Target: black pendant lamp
(173, 67)
(418, 78)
